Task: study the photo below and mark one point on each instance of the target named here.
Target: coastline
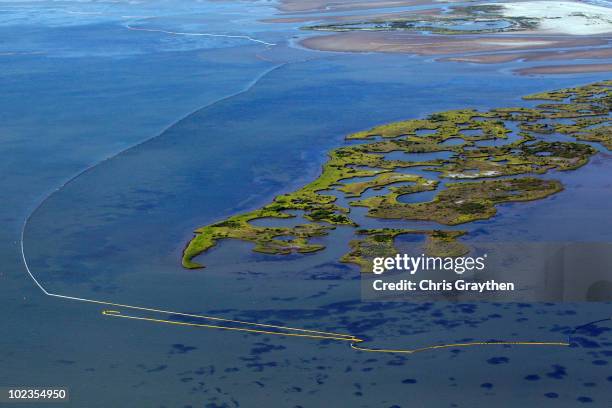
(539, 30)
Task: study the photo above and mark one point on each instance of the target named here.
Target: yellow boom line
(323, 335)
(261, 328)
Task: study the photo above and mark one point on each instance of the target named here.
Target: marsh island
(491, 157)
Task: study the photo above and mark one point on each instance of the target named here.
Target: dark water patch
(261, 348)
(589, 384)
(559, 372)
(156, 369)
(331, 272)
(593, 330)
(181, 349)
(398, 361)
(65, 362)
(366, 325)
(585, 400)
(285, 299)
(498, 360)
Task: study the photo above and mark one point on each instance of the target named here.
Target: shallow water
(421, 197)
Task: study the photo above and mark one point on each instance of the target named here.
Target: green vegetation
(462, 202)
(381, 243)
(592, 93)
(445, 125)
(581, 113)
(601, 134)
(384, 179)
(238, 227)
(517, 158)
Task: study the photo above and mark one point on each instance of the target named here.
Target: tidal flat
(480, 32)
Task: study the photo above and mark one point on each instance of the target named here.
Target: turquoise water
(237, 122)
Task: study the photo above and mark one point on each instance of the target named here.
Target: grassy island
(462, 202)
(500, 152)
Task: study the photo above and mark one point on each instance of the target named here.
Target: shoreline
(559, 30)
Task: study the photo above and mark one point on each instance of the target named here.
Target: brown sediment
(352, 17)
(598, 53)
(565, 69)
(410, 43)
(300, 6)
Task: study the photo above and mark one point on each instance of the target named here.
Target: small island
(501, 152)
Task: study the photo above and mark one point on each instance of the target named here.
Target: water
(77, 90)
(420, 197)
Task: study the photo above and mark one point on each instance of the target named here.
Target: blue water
(417, 197)
(78, 90)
